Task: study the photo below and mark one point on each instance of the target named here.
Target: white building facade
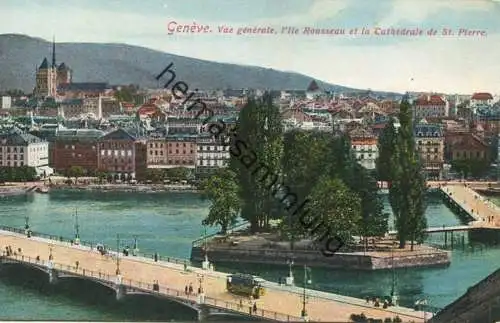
(211, 155)
(22, 149)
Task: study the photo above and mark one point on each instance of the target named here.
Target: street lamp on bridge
(117, 254)
(307, 280)
(77, 228)
(26, 225)
(135, 250)
(51, 257)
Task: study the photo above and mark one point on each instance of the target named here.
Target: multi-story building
(430, 106)
(183, 125)
(23, 149)
(481, 98)
(430, 146)
(182, 150)
(76, 147)
(157, 152)
(5, 102)
(72, 108)
(364, 145)
(122, 153)
(109, 107)
(465, 145)
(212, 154)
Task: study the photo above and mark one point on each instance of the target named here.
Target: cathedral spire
(53, 51)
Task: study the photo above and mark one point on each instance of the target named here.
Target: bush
(388, 320)
(397, 320)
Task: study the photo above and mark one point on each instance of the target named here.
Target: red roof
(483, 96)
(430, 100)
(147, 109)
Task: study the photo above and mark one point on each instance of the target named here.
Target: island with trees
(271, 171)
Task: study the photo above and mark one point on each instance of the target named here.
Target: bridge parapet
(130, 286)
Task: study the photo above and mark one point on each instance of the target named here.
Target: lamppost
(394, 296)
(117, 254)
(205, 264)
(77, 228)
(135, 251)
(51, 257)
(306, 281)
(289, 279)
(26, 225)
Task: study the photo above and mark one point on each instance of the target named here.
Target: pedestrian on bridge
(255, 307)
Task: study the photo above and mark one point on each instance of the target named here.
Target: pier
(134, 275)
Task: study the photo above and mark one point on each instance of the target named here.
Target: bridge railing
(92, 245)
(149, 288)
(198, 242)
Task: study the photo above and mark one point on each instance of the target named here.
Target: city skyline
(435, 63)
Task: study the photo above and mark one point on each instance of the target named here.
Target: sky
(433, 63)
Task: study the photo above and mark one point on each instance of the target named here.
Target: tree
(101, 176)
(386, 146)
(333, 208)
(222, 190)
(408, 187)
(76, 171)
(373, 222)
(259, 130)
(154, 175)
(177, 173)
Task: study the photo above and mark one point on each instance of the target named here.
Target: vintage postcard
(264, 160)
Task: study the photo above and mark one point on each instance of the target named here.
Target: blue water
(167, 223)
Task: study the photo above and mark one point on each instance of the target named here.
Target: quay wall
(357, 261)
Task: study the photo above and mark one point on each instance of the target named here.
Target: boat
(43, 190)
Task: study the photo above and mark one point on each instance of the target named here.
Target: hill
(20, 55)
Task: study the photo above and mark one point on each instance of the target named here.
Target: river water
(167, 223)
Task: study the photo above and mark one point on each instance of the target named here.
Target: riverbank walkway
(138, 275)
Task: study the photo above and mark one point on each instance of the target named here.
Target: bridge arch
(63, 275)
(138, 293)
(25, 265)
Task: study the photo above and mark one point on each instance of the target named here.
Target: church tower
(46, 76)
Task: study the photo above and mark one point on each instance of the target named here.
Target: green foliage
(155, 175)
(75, 171)
(101, 176)
(259, 130)
(335, 207)
(386, 146)
(222, 190)
(408, 187)
(310, 155)
(17, 174)
(373, 220)
(470, 167)
(178, 173)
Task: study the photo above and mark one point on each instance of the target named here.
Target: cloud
(418, 11)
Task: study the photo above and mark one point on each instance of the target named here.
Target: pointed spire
(53, 52)
(44, 65)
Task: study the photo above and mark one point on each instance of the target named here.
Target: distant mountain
(120, 64)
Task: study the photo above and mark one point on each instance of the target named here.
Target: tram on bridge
(246, 285)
